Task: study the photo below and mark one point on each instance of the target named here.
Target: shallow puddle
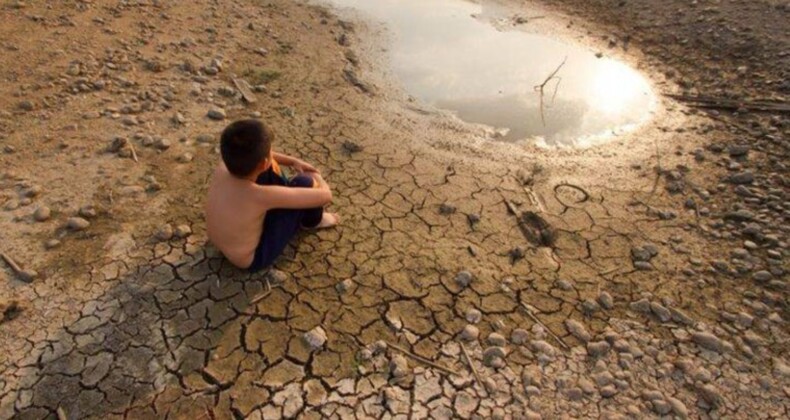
(448, 56)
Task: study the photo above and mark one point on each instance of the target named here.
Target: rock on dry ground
(664, 292)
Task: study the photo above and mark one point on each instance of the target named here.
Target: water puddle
(446, 55)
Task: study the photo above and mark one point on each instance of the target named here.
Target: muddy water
(446, 54)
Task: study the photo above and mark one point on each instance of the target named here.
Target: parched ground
(649, 279)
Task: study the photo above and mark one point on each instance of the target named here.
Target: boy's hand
(302, 166)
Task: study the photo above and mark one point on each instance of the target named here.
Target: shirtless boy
(253, 210)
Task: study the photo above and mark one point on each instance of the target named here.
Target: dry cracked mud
(646, 278)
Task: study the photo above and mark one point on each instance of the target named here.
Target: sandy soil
(657, 285)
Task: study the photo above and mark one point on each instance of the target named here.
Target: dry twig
(540, 88)
(534, 318)
(472, 366)
(422, 359)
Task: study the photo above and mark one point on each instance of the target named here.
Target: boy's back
(233, 219)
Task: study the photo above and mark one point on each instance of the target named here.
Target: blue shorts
(281, 225)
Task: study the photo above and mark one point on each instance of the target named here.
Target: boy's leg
(280, 225)
(310, 217)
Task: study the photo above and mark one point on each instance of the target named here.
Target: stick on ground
(422, 359)
(472, 366)
(551, 333)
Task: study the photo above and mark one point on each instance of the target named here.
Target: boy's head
(244, 145)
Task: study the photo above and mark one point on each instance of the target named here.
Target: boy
(253, 210)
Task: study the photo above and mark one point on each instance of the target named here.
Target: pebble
(470, 333)
(496, 339)
(164, 232)
(399, 366)
(315, 338)
(87, 212)
(77, 223)
(344, 286)
(463, 278)
(474, 316)
(493, 353)
(741, 178)
(217, 114)
(606, 300)
(519, 336)
(660, 311)
(186, 157)
(642, 305)
(762, 276)
(578, 330)
(51, 244)
(182, 231)
(42, 214)
(710, 394)
(608, 391)
(707, 341)
(678, 407)
(598, 348)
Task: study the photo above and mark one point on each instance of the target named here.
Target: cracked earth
(614, 282)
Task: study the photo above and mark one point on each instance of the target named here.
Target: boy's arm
(276, 197)
(296, 163)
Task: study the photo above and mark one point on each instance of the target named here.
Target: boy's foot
(328, 220)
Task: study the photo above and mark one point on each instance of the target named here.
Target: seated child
(253, 210)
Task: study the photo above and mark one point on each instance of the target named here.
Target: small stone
(710, 394)
(470, 333)
(474, 316)
(162, 144)
(707, 341)
(763, 276)
(42, 214)
(574, 394)
(77, 223)
(315, 338)
(26, 106)
(87, 212)
(497, 339)
(660, 311)
(678, 407)
(578, 330)
(446, 209)
(205, 139)
(493, 353)
(606, 300)
(217, 114)
(598, 348)
(642, 305)
(344, 286)
(186, 157)
(741, 178)
(276, 277)
(51, 244)
(463, 278)
(519, 336)
(164, 232)
(183, 231)
(608, 391)
(399, 367)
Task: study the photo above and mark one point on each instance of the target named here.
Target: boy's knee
(302, 181)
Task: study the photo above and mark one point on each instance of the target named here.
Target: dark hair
(244, 144)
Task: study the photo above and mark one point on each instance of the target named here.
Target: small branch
(540, 88)
(422, 359)
(534, 318)
(134, 152)
(472, 366)
(11, 263)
